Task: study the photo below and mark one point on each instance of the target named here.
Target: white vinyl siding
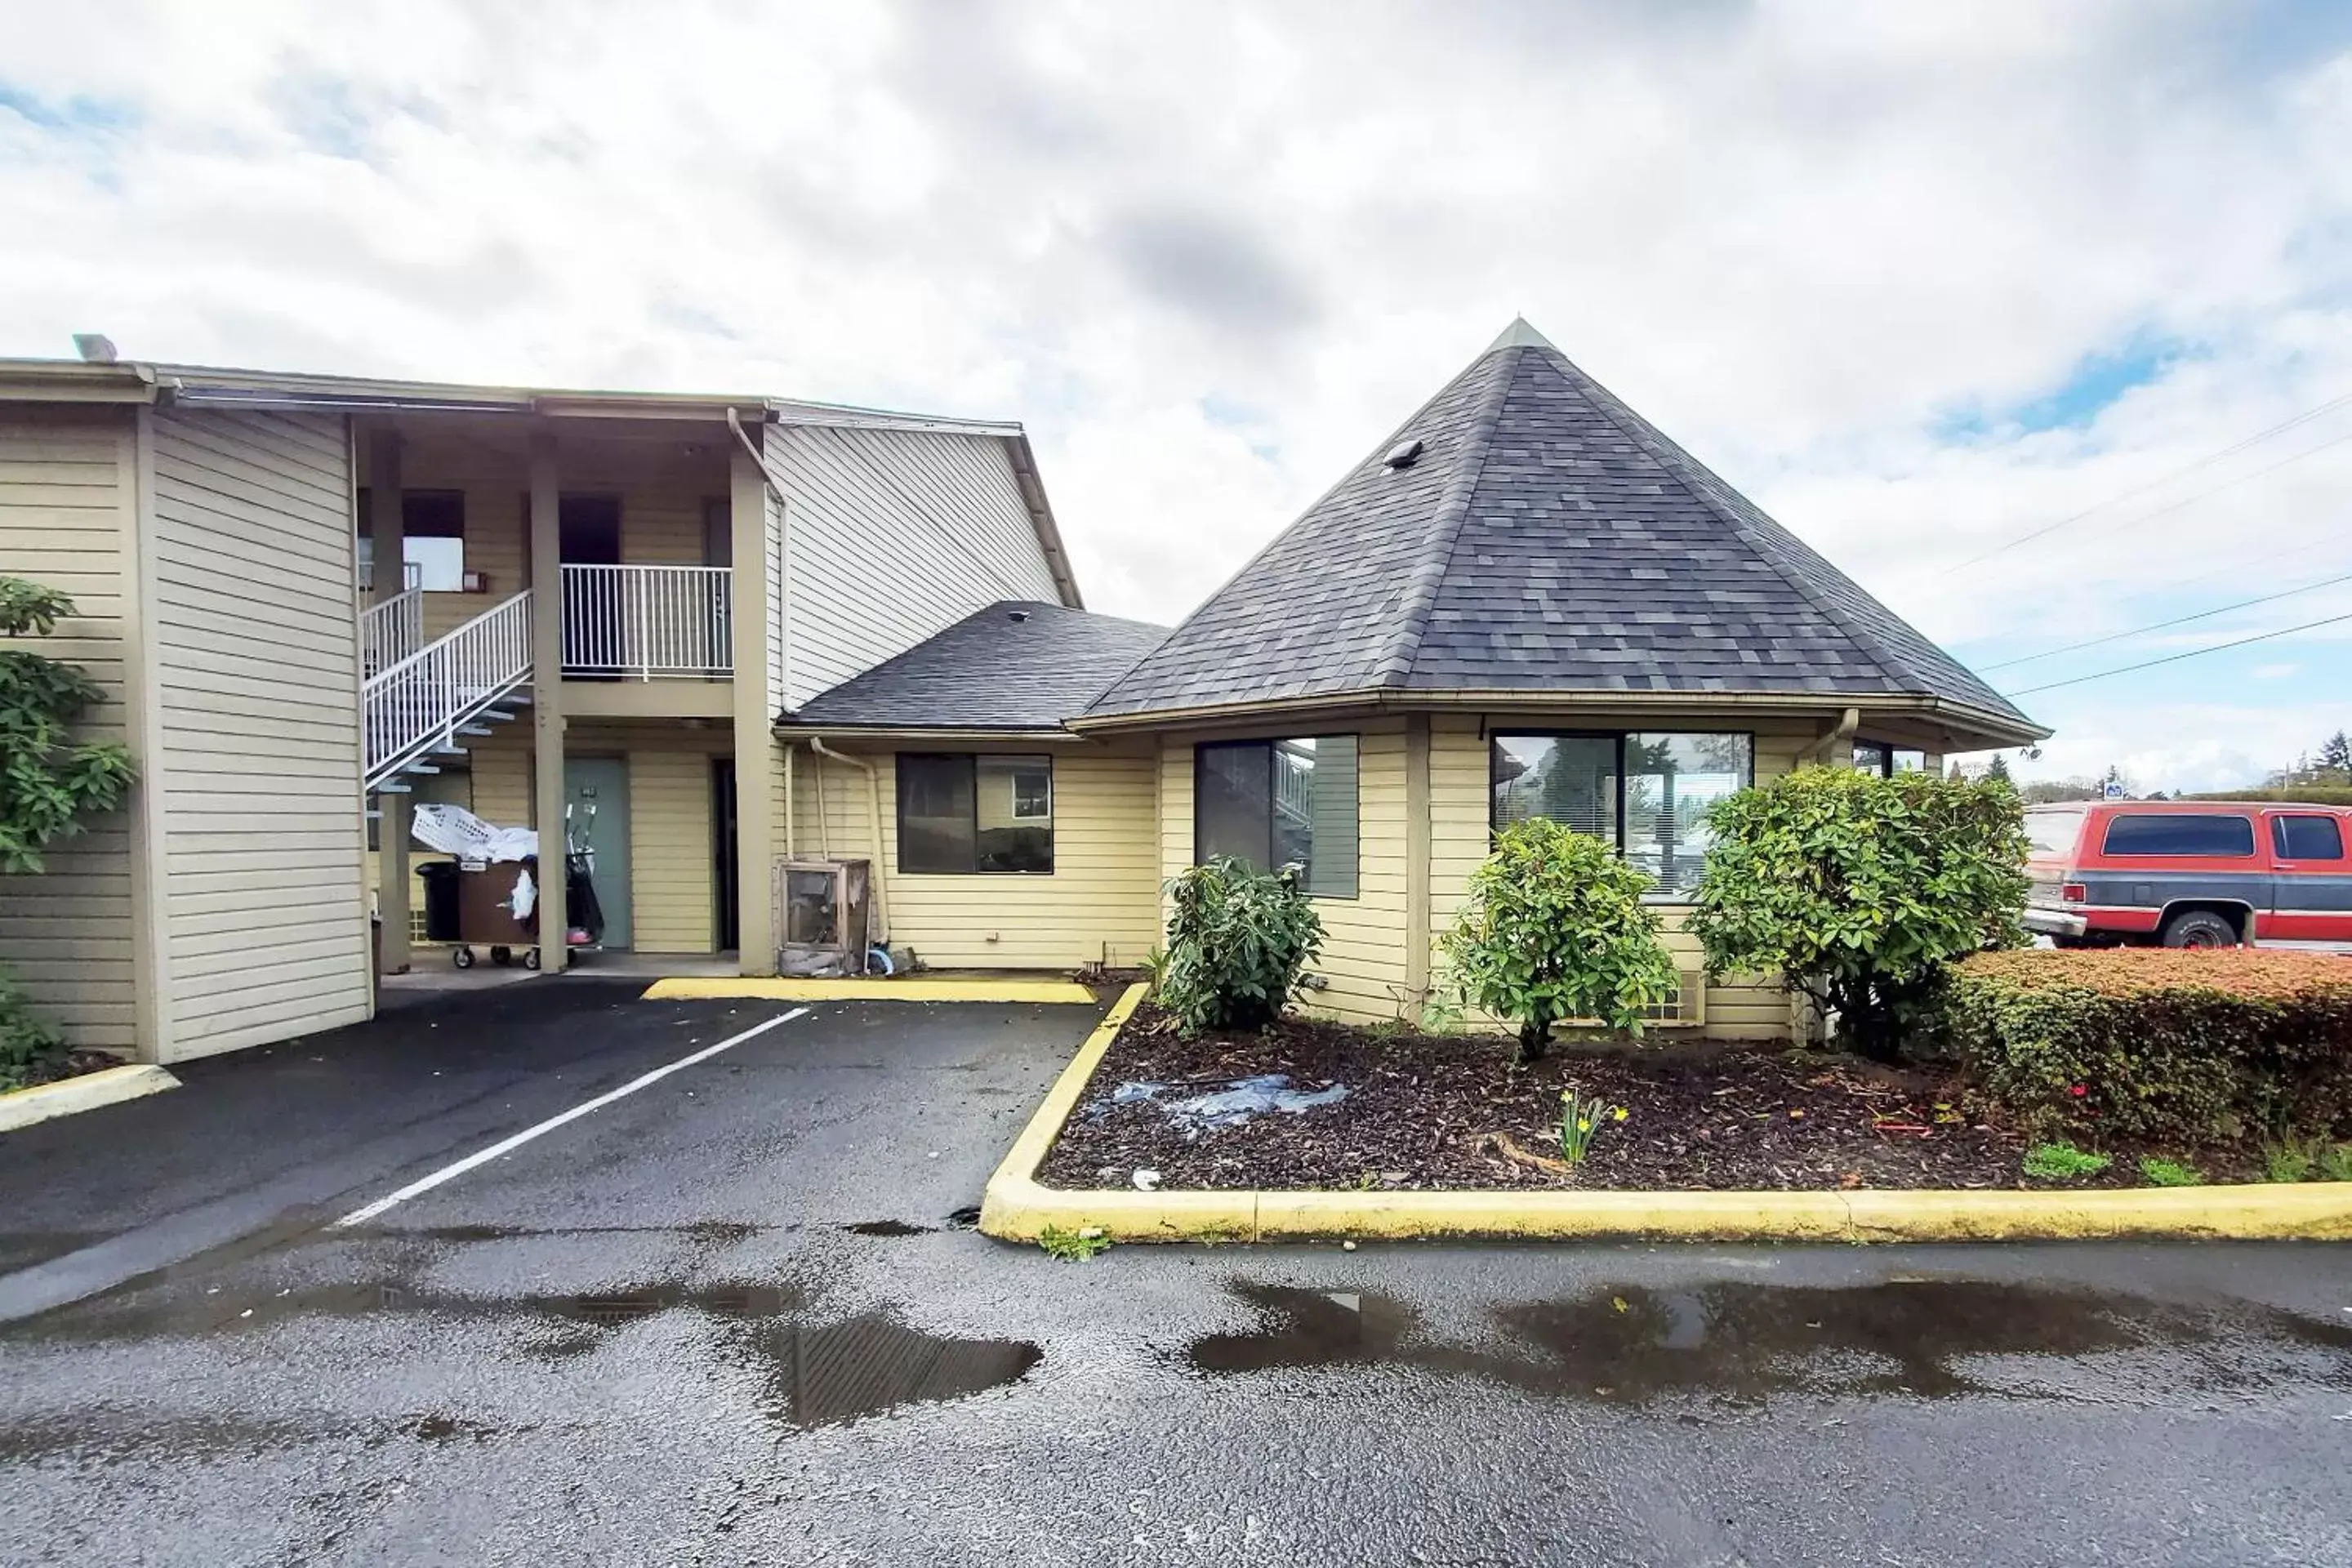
(890, 536)
(256, 786)
(67, 493)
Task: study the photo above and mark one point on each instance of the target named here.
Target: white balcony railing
(419, 704)
(641, 622)
(391, 629)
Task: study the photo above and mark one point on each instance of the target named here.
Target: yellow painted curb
(1016, 1208)
(693, 988)
(107, 1086)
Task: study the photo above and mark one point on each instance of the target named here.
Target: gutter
(1990, 729)
(874, 810)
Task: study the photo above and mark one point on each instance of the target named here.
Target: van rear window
(2169, 832)
(2052, 831)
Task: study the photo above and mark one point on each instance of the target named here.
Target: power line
(2192, 653)
(2160, 626)
(2207, 461)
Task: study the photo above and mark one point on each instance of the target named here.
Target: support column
(1416, 868)
(387, 536)
(755, 738)
(547, 788)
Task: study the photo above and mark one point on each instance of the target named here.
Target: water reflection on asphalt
(1742, 1343)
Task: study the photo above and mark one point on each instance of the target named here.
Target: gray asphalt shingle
(1549, 538)
(1016, 665)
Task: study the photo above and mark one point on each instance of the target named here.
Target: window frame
(970, 761)
(2107, 849)
(1495, 736)
(2279, 850)
(1045, 815)
(1272, 742)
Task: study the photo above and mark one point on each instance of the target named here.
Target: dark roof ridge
(1445, 529)
(1710, 490)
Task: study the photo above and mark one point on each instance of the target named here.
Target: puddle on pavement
(1744, 1342)
(813, 1374)
(825, 1375)
(1236, 1101)
(886, 1228)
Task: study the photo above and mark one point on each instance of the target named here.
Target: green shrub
(1555, 930)
(1858, 891)
(2335, 1163)
(2061, 1162)
(2162, 1173)
(2292, 1160)
(31, 1049)
(1237, 942)
(2154, 1042)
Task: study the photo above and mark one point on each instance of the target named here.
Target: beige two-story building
(316, 601)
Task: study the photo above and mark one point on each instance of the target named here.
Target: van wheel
(2199, 928)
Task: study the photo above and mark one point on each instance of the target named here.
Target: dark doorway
(589, 531)
(595, 607)
(724, 883)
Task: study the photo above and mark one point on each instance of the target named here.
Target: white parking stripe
(508, 1145)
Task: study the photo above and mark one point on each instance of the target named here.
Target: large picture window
(1646, 793)
(960, 815)
(1280, 803)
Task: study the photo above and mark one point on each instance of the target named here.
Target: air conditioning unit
(823, 915)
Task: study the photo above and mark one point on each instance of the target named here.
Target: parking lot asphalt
(737, 1315)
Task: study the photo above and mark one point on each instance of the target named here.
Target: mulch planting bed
(1450, 1111)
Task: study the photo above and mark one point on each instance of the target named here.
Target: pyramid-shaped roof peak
(1543, 538)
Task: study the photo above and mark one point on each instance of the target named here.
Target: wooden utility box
(823, 915)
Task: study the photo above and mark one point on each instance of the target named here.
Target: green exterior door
(597, 790)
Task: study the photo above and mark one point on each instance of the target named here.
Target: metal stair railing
(392, 629)
(417, 705)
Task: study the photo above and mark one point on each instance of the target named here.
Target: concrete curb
(693, 988)
(107, 1086)
(1016, 1208)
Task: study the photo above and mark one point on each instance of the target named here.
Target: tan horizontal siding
(1098, 906)
(256, 790)
(671, 890)
(892, 535)
(68, 498)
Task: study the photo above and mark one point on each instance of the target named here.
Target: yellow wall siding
(67, 487)
(1100, 905)
(256, 788)
(671, 890)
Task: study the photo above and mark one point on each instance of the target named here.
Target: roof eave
(799, 729)
(1981, 726)
(71, 381)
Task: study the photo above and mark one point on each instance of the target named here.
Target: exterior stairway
(415, 706)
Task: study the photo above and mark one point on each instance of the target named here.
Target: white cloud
(1805, 240)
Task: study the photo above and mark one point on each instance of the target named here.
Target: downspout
(789, 808)
(783, 578)
(1840, 733)
(874, 810)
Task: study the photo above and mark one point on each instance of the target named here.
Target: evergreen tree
(2335, 754)
(1998, 768)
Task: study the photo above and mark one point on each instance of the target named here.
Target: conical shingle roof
(1545, 538)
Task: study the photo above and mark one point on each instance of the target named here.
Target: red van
(2191, 873)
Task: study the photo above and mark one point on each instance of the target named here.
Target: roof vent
(1404, 453)
(1016, 617)
(94, 348)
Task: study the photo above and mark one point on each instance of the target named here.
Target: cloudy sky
(1925, 280)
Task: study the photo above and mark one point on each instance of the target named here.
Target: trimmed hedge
(2296, 794)
(2159, 1043)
